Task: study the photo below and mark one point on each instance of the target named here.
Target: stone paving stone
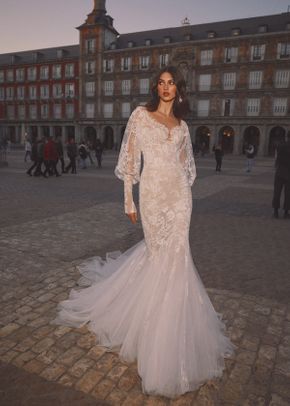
(7, 330)
(34, 366)
(23, 358)
(128, 380)
(89, 380)
(70, 356)
(81, 366)
(103, 388)
(278, 401)
(43, 345)
(53, 372)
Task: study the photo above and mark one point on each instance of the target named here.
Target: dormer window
(14, 59)
(262, 28)
(211, 34)
(148, 42)
(236, 32)
(59, 53)
(187, 37)
(35, 56)
(113, 45)
(130, 44)
(167, 40)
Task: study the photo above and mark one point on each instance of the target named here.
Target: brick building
(237, 73)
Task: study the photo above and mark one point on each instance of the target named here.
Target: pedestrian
(50, 158)
(27, 148)
(72, 154)
(59, 148)
(282, 178)
(83, 153)
(33, 157)
(250, 154)
(218, 153)
(150, 301)
(40, 157)
(99, 152)
(89, 147)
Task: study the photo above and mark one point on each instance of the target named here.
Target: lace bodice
(159, 147)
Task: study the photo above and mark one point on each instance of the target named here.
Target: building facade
(237, 74)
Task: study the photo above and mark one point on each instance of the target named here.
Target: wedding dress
(150, 302)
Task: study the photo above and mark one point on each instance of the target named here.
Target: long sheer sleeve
(129, 162)
(186, 157)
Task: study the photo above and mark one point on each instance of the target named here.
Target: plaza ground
(48, 226)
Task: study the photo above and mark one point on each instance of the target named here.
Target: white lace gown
(150, 302)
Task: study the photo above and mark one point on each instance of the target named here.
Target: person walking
(33, 157)
(27, 148)
(150, 302)
(50, 158)
(72, 153)
(218, 153)
(59, 148)
(99, 152)
(83, 153)
(250, 154)
(282, 178)
(40, 157)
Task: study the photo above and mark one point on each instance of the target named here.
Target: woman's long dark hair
(180, 104)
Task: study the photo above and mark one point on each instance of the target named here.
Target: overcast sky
(33, 24)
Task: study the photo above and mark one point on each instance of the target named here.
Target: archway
(226, 138)
(252, 136)
(202, 139)
(108, 138)
(277, 136)
(91, 136)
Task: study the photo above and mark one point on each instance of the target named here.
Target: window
(144, 86)
(258, 52)
(144, 62)
(90, 89)
(108, 88)
(206, 57)
(20, 92)
(163, 60)
(231, 55)
(1, 76)
(148, 42)
(9, 93)
(253, 107)
(229, 80)
(108, 65)
(255, 79)
(21, 112)
(204, 82)
(10, 112)
(44, 92)
(126, 110)
(203, 108)
(33, 112)
(60, 53)
(126, 63)
(69, 70)
(280, 106)
(10, 75)
(2, 93)
(44, 111)
(227, 107)
(44, 72)
(69, 110)
(32, 92)
(108, 110)
(57, 110)
(56, 71)
(20, 75)
(90, 68)
(283, 50)
(69, 90)
(57, 90)
(90, 46)
(126, 87)
(90, 110)
(31, 73)
(282, 78)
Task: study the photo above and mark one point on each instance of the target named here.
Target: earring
(180, 99)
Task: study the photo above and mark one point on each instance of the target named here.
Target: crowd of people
(47, 153)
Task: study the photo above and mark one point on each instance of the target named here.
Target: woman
(152, 304)
(218, 153)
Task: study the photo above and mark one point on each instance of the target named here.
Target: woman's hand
(133, 217)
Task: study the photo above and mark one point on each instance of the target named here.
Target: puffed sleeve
(129, 162)
(186, 156)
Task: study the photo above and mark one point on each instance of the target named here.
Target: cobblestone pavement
(50, 225)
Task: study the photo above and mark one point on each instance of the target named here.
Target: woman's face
(166, 87)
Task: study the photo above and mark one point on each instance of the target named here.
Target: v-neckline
(162, 124)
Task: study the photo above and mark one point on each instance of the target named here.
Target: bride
(150, 302)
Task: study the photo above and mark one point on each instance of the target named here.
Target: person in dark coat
(282, 178)
(72, 153)
(50, 158)
(40, 157)
(33, 157)
(59, 148)
(218, 153)
(99, 152)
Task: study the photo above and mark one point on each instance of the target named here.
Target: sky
(34, 24)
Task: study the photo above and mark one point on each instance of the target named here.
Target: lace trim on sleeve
(186, 157)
